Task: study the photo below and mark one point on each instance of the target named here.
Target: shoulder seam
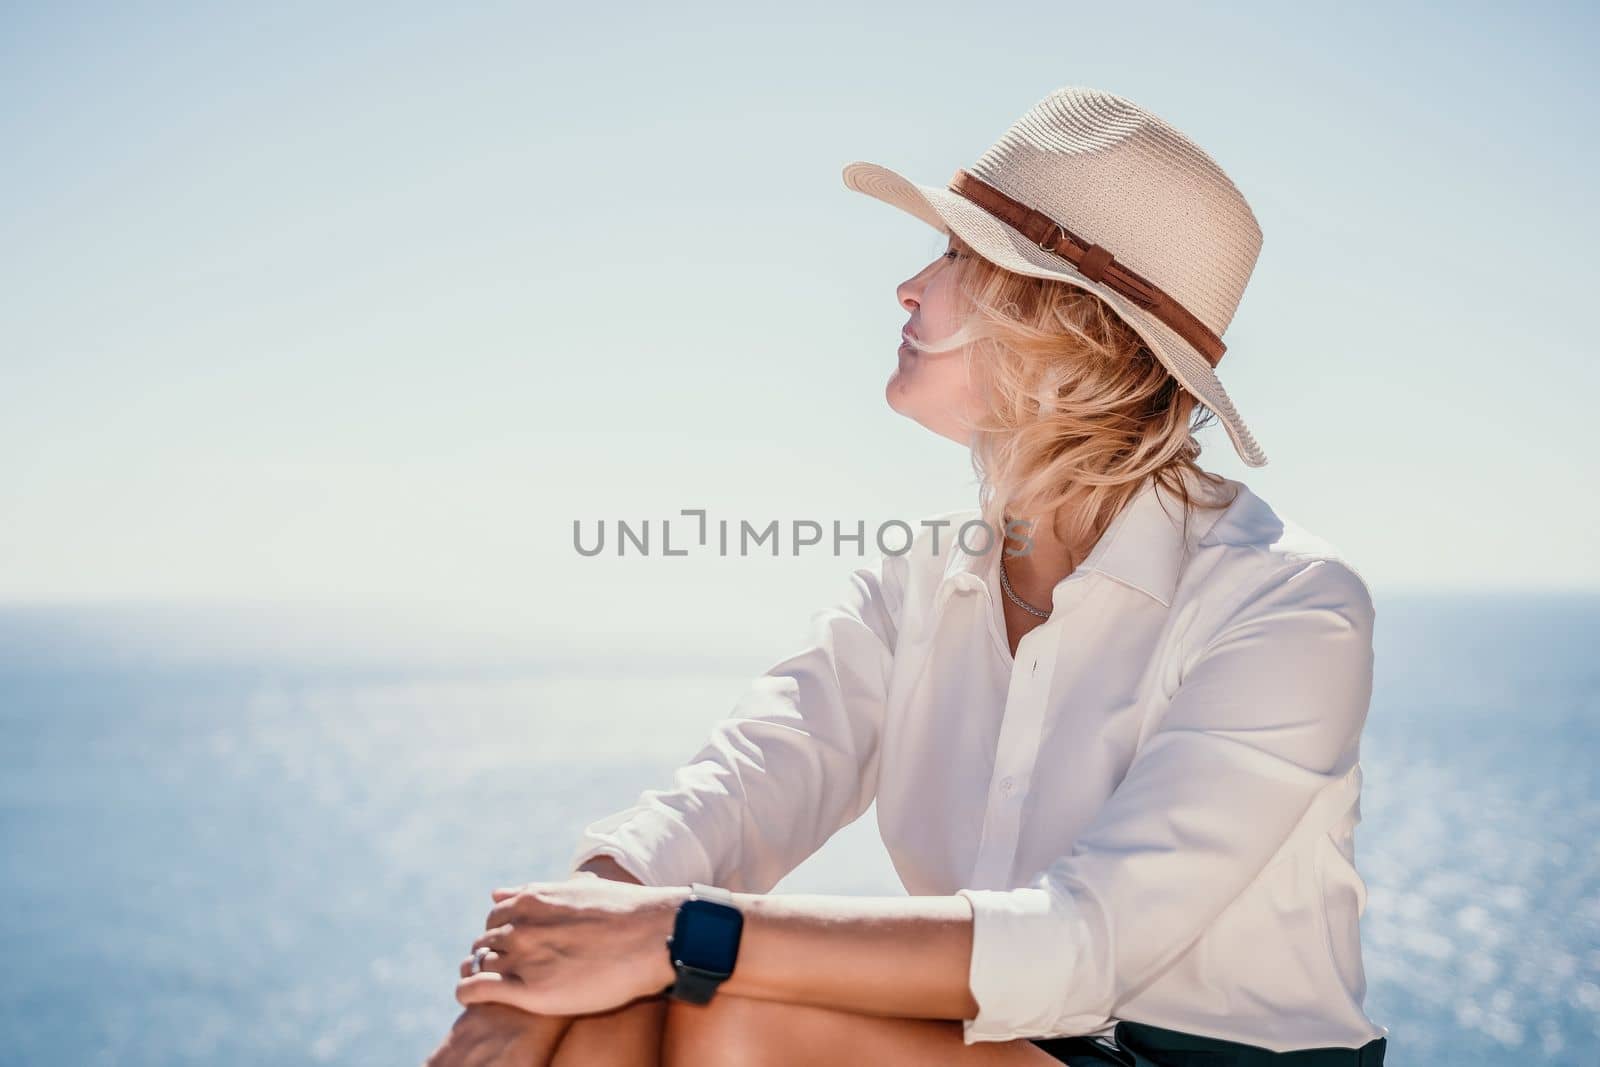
(1296, 564)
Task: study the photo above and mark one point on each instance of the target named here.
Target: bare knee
(629, 1036)
(730, 1031)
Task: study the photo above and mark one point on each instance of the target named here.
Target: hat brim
(1003, 245)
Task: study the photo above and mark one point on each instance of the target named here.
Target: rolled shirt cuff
(657, 848)
(1030, 971)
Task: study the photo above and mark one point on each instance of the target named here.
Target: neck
(1049, 557)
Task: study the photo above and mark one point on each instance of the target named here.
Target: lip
(906, 336)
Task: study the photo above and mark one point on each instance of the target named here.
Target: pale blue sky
(367, 303)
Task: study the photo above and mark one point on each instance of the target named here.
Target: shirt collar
(1142, 548)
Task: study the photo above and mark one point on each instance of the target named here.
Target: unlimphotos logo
(894, 537)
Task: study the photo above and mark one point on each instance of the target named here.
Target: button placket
(1041, 661)
(1017, 750)
(1015, 754)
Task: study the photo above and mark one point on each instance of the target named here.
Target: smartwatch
(704, 944)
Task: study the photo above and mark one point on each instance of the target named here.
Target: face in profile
(933, 387)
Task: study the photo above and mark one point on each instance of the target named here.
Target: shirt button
(1006, 784)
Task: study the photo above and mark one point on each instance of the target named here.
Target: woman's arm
(904, 956)
(898, 956)
(795, 760)
(583, 945)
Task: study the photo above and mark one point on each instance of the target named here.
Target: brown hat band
(1093, 262)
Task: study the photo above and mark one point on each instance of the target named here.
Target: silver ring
(477, 958)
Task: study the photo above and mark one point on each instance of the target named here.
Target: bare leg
(735, 1031)
(629, 1036)
(500, 1035)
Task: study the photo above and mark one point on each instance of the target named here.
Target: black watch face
(707, 935)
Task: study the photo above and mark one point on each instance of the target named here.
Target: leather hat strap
(1092, 261)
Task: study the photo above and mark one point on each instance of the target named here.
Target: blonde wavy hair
(1074, 409)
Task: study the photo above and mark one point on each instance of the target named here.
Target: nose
(909, 292)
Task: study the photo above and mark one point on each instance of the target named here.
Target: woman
(1116, 765)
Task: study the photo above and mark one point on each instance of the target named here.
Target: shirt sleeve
(793, 762)
(1267, 715)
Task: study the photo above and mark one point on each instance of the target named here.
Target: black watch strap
(694, 985)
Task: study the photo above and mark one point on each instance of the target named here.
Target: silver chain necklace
(1005, 584)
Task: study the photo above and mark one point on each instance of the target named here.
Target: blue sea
(262, 863)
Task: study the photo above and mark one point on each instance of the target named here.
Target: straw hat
(1092, 189)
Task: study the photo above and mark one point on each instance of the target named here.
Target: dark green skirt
(1141, 1045)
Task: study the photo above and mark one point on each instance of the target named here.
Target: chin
(902, 399)
(894, 394)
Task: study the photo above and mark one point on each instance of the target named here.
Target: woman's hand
(576, 947)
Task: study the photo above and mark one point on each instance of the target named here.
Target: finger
(489, 961)
(506, 897)
(498, 939)
(491, 987)
(506, 911)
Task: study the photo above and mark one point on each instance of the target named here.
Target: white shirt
(1151, 809)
